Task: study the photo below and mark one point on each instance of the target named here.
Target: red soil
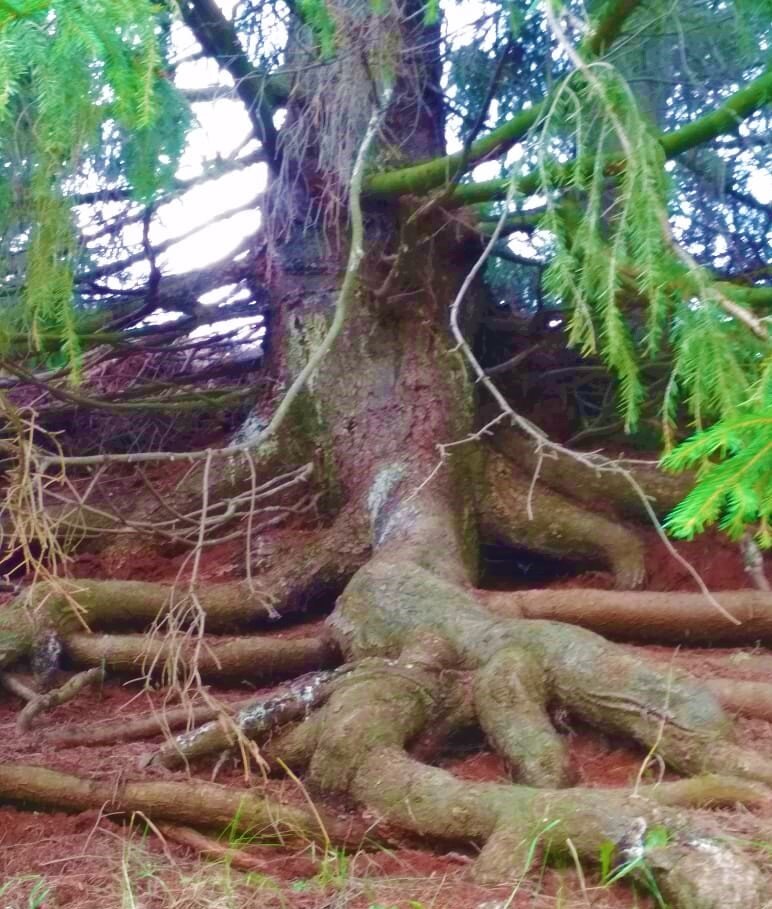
(90, 860)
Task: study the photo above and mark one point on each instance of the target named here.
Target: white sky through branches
(222, 128)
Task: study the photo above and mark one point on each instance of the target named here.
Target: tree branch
(724, 119)
(420, 178)
(220, 41)
(114, 268)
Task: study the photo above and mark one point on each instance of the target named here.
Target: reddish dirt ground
(92, 861)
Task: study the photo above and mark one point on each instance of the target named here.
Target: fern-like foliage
(734, 487)
(633, 294)
(82, 84)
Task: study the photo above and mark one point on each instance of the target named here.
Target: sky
(222, 127)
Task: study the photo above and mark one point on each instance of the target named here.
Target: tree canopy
(618, 153)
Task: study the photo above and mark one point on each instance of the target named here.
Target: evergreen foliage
(81, 84)
(632, 292)
(734, 457)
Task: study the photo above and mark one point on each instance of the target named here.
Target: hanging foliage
(81, 84)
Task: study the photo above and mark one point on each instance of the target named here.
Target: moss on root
(357, 746)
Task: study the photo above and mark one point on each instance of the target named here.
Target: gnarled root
(418, 635)
(515, 511)
(389, 601)
(357, 745)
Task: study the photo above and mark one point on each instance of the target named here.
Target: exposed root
(244, 658)
(357, 746)
(389, 601)
(321, 565)
(240, 859)
(17, 686)
(253, 721)
(516, 825)
(203, 805)
(430, 654)
(511, 692)
(679, 618)
(578, 481)
(130, 729)
(747, 698)
(516, 511)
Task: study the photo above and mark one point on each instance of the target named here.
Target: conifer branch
(421, 178)
(725, 119)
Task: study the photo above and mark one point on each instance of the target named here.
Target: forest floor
(93, 861)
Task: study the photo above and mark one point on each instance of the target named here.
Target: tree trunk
(392, 391)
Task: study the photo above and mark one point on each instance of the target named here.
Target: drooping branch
(609, 25)
(211, 170)
(175, 293)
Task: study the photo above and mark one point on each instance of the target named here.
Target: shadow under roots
(309, 604)
(510, 568)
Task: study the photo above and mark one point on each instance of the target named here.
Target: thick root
(203, 805)
(599, 682)
(735, 695)
(245, 658)
(510, 695)
(704, 873)
(252, 722)
(674, 618)
(746, 698)
(321, 565)
(512, 510)
(572, 478)
(358, 748)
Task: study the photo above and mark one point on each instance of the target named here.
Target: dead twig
(71, 688)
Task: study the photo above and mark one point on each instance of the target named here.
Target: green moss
(466, 464)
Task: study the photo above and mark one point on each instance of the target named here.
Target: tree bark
(404, 501)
